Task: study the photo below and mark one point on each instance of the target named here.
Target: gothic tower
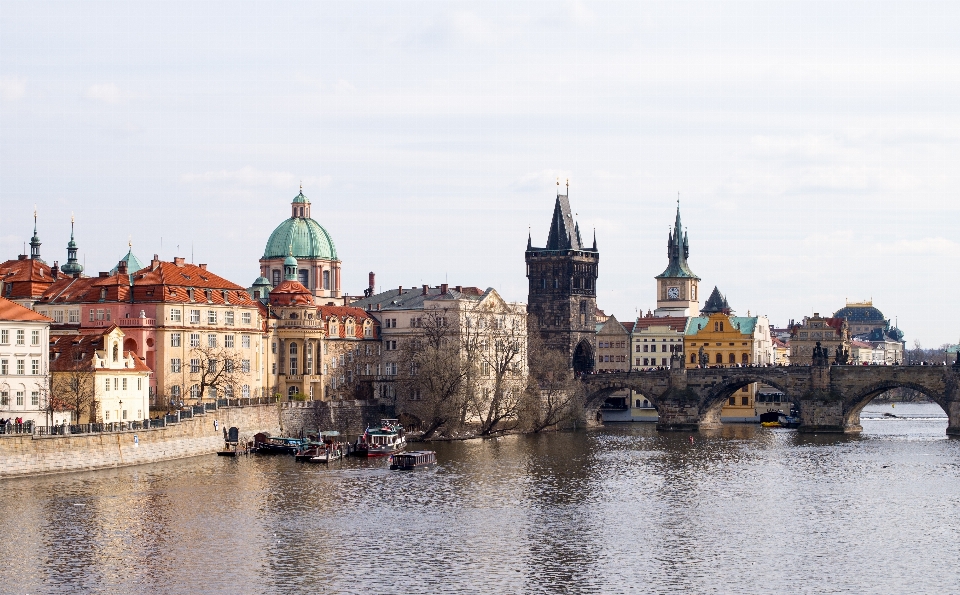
(562, 300)
(677, 285)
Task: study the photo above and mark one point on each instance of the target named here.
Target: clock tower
(677, 286)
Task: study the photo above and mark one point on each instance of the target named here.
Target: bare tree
(218, 368)
(494, 344)
(553, 395)
(74, 386)
(433, 380)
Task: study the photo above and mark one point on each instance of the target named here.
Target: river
(622, 509)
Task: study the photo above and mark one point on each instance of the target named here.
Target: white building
(24, 365)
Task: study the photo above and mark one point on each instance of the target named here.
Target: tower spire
(73, 266)
(35, 240)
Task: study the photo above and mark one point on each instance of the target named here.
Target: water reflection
(623, 509)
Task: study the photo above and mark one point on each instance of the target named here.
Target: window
(35, 398)
(693, 358)
(4, 367)
(744, 358)
(194, 316)
(211, 340)
(35, 367)
(212, 366)
(194, 339)
(390, 345)
(245, 366)
(20, 367)
(174, 339)
(139, 386)
(175, 392)
(58, 316)
(74, 316)
(293, 366)
(228, 341)
(245, 391)
(99, 313)
(124, 387)
(732, 401)
(719, 358)
(21, 337)
(4, 337)
(4, 398)
(732, 359)
(106, 385)
(175, 315)
(106, 416)
(211, 317)
(245, 318)
(115, 384)
(228, 392)
(91, 315)
(228, 365)
(276, 277)
(273, 348)
(212, 392)
(389, 323)
(744, 401)
(245, 341)
(326, 279)
(391, 368)
(195, 366)
(195, 391)
(227, 318)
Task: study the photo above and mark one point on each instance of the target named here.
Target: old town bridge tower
(562, 300)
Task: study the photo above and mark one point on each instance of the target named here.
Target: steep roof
(716, 303)
(342, 313)
(675, 323)
(564, 232)
(25, 277)
(12, 311)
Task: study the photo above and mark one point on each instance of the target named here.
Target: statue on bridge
(702, 358)
(841, 356)
(820, 356)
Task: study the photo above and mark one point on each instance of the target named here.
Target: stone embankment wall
(347, 417)
(38, 455)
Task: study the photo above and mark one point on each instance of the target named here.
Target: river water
(623, 509)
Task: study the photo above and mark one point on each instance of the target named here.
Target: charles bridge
(829, 397)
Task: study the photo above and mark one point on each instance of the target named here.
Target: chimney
(443, 288)
(399, 291)
(371, 282)
(459, 288)
(155, 263)
(104, 274)
(202, 266)
(378, 307)
(424, 290)
(21, 256)
(177, 260)
(122, 267)
(55, 270)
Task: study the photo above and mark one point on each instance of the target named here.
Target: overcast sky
(814, 145)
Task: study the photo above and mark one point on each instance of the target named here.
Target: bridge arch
(583, 358)
(854, 405)
(596, 396)
(719, 394)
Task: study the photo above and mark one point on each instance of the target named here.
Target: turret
(73, 266)
(35, 240)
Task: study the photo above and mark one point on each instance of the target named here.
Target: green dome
(304, 237)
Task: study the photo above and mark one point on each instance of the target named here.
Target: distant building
(24, 365)
(562, 302)
(830, 333)
(677, 284)
(93, 370)
(613, 355)
(867, 323)
(306, 240)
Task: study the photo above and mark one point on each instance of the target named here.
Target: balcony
(125, 323)
(300, 323)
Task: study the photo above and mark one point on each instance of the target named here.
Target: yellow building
(720, 339)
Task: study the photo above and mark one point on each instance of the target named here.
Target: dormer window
(209, 295)
(190, 293)
(103, 293)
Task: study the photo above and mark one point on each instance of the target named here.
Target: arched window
(293, 349)
(744, 358)
(719, 358)
(326, 279)
(732, 359)
(693, 358)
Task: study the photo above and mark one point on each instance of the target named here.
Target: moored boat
(385, 440)
(416, 459)
(274, 445)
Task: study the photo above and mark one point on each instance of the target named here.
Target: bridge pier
(824, 414)
(953, 418)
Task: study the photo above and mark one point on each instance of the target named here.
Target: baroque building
(318, 267)
(562, 295)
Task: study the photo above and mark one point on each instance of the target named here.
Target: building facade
(24, 366)
(830, 333)
(562, 294)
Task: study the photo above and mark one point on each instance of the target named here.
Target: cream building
(24, 365)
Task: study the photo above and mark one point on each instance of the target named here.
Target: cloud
(105, 92)
(12, 88)
(250, 176)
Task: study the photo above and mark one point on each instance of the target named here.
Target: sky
(813, 145)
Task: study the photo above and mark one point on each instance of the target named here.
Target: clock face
(673, 293)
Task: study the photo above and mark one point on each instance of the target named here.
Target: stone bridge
(829, 398)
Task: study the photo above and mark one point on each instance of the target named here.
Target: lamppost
(120, 412)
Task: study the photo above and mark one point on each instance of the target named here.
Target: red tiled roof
(290, 293)
(628, 326)
(170, 281)
(359, 315)
(26, 278)
(676, 323)
(75, 352)
(13, 311)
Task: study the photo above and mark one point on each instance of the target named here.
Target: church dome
(300, 236)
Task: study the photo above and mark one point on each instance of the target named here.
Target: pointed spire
(678, 250)
(529, 239)
(35, 240)
(594, 239)
(72, 266)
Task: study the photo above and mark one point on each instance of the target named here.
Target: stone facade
(831, 333)
(562, 296)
